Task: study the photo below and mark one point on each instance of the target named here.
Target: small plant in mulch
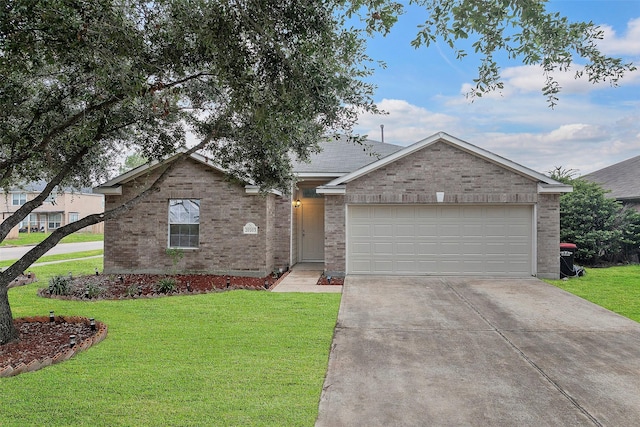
(93, 290)
(133, 290)
(166, 285)
(60, 285)
(330, 280)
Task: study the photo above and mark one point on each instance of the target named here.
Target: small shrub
(93, 290)
(166, 285)
(59, 285)
(133, 290)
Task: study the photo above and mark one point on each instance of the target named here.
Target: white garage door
(454, 240)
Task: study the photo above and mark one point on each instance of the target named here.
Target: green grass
(614, 288)
(62, 257)
(240, 358)
(35, 238)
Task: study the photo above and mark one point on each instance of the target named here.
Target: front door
(312, 229)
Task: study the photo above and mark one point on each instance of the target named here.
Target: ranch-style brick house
(441, 206)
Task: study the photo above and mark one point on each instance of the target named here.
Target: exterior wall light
(297, 203)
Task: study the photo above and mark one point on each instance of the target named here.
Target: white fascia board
(544, 188)
(302, 176)
(254, 190)
(109, 191)
(331, 190)
(456, 142)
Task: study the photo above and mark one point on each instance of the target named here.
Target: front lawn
(614, 288)
(35, 238)
(232, 358)
(79, 267)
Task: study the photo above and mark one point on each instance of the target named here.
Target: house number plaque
(250, 228)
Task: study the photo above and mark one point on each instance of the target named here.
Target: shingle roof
(622, 179)
(38, 186)
(339, 156)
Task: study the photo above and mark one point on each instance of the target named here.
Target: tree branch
(28, 207)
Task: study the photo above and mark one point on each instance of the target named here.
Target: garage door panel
(405, 249)
(384, 212)
(383, 248)
(403, 230)
(360, 230)
(383, 230)
(361, 248)
(426, 230)
(429, 239)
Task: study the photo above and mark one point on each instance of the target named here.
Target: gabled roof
(114, 186)
(336, 158)
(545, 184)
(621, 179)
(340, 156)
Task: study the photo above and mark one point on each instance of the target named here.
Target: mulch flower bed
(129, 286)
(330, 280)
(43, 342)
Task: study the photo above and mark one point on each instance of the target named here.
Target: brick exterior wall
(462, 176)
(136, 242)
(548, 221)
(335, 236)
(282, 232)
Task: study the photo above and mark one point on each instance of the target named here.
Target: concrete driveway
(427, 351)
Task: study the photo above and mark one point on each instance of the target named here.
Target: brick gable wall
(137, 241)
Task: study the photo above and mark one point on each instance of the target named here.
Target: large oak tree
(82, 81)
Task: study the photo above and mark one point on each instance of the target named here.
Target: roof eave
(544, 188)
(105, 190)
(332, 189)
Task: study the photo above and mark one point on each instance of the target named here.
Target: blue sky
(592, 126)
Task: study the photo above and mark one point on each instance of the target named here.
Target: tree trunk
(8, 331)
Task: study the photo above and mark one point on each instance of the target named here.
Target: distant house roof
(38, 187)
(340, 156)
(621, 179)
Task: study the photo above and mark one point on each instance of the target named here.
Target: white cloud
(628, 44)
(578, 135)
(405, 123)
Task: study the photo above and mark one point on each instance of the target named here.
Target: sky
(592, 126)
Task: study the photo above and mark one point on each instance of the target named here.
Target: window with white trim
(184, 223)
(73, 216)
(18, 199)
(55, 220)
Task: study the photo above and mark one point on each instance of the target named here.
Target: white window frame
(183, 229)
(18, 199)
(73, 217)
(50, 220)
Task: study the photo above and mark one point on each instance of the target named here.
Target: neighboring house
(60, 208)
(622, 180)
(440, 206)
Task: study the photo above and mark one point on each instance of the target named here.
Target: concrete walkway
(418, 351)
(303, 278)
